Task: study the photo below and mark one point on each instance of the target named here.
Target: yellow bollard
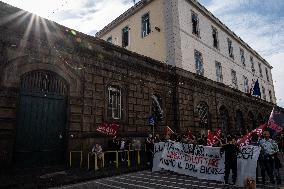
(138, 157)
(96, 162)
(70, 157)
(89, 160)
(70, 160)
(128, 159)
(103, 159)
(116, 159)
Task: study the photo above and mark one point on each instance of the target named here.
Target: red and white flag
(213, 137)
(276, 121)
(246, 139)
(108, 128)
(190, 135)
(169, 131)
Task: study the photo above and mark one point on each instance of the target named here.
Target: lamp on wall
(157, 28)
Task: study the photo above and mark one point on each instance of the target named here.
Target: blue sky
(260, 23)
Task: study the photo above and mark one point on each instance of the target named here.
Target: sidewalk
(58, 176)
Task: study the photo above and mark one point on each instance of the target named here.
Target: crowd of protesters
(268, 161)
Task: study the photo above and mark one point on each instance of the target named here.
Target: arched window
(224, 120)
(114, 102)
(251, 121)
(259, 120)
(240, 122)
(203, 114)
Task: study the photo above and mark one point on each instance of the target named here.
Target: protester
(113, 146)
(98, 151)
(150, 149)
(280, 142)
(255, 142)
(200, 140)
(136, 144)
(231, 150)
(157, 138)
(277, 166)
(266, 158)
(122, 145)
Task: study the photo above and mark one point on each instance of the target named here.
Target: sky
(260, 23)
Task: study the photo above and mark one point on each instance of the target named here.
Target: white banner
(158, 150)
(204, 162)
(247, 162)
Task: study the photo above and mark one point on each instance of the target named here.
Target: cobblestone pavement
(149, 180)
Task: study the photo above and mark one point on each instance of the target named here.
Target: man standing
(231, 151)
(266, 159)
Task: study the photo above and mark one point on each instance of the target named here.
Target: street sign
(152, 120)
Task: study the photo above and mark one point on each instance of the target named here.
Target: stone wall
(89, 65)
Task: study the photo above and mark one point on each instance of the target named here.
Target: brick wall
(89, 66)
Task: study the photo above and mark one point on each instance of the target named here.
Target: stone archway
(224, 120)
(240, 127)
(251, 121)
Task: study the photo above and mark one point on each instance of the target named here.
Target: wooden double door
(41, 120)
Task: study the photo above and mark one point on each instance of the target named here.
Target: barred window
(109, 39)
(267, 74)
(219, 72)
(146, 25)
(243, 60)
(234, 79)
(195, 23)
(270, 96)
(198, 63)
(246, 86)
(230, 48)
(215, 38)
(252, 64)
(203, 113)
(260, 70)
(125, 36)
(263, 93)
(114, 102)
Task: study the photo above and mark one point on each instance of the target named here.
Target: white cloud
(85, 16)
(278, 72)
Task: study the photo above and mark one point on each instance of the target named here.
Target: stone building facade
(186, 35)
(55, 87)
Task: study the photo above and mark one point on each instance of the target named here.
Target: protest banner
(158, 150)
(247, 162)
(203, 162)
(199, 161)
(108, 128)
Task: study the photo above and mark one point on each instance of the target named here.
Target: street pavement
(149, 180)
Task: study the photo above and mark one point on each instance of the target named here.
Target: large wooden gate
(41, 120)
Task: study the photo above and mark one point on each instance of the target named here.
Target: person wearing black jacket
(149, 149)
(231, 151)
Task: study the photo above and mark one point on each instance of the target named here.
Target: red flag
(213, 137)
(168, 131)
(246, 139)
(108, 128)
(276, 120)
(190, 135)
